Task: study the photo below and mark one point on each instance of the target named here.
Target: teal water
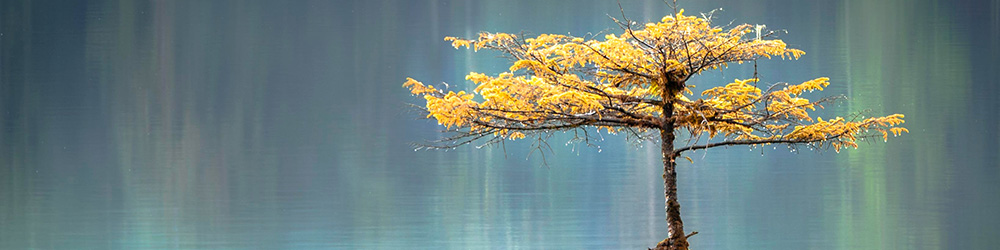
(283, 125)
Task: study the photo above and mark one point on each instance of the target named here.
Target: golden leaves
(699, 45)
(454, 109)
(744, 113)
(486, 40)
(418, 88)
(531, 64)
(814, 84)
(458, 42)
(737, 92)
(788, 103)
(560, 81)
(840, 133)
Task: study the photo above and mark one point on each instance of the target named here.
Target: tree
(635, 82)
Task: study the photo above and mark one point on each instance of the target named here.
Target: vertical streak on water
(154, 127)
(18, 127)
(846, 35)
(995, 48)
(941, 61)
(180, 107)
(889, 47)
(864, 221)
(484, 17)
(864, 91)
(130, 127)
(843, 226)
(375, 28)
(95, 54)
(648, 166)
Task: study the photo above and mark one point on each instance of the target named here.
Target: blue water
(283, 125)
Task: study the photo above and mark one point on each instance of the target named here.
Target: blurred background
(283, 125)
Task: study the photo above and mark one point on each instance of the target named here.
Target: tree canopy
(636, 82)
(561, 82)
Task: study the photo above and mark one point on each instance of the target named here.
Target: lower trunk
(676, 240)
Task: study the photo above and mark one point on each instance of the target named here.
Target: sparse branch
(617, 67)
(748, 142)
(628, 28)
(840, 133)
(460, 138)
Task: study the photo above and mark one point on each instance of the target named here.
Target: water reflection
(281, 125)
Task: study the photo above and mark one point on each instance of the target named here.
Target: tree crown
(626, 81)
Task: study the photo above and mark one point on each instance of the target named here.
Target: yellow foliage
(418, 88)
(456, 42)
(560, 81)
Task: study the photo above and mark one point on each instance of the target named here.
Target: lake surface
(283, 125)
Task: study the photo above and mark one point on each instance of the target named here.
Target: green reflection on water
(888, 46)
(278, 125)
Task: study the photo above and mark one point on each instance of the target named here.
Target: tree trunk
(676, 240)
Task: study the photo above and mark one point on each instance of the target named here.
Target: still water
(282, 125)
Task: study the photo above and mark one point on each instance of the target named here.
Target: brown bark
(676, 240)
